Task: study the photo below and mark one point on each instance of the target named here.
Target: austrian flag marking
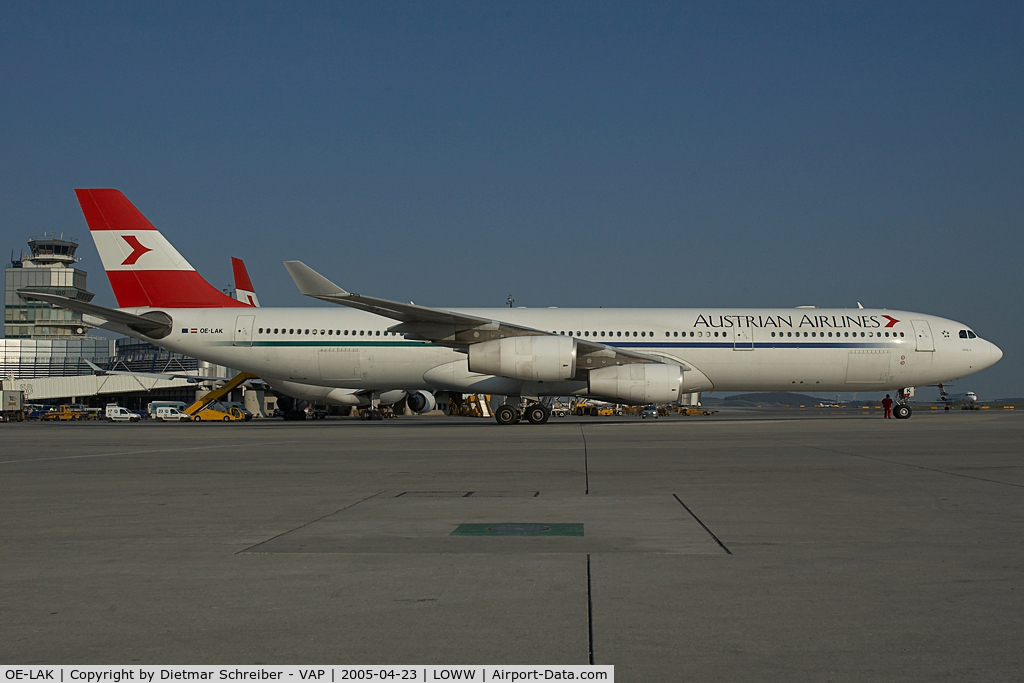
(137, 250)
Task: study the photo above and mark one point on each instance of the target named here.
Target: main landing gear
(511, 413)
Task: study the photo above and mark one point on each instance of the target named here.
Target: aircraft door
(243, 330)
(923, 332)
(743, 339)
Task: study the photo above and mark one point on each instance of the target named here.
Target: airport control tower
(48, 268)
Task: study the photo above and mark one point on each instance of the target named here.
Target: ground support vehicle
(583, 408)
(170, 414)
(470, 405)
(64, 413)
(208, 408)
(246, 415)
(155, 406)
(116, 413)
(696, 411)
(12, 408)
(218, 412)
(35, 411)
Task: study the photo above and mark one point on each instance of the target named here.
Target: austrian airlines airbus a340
(371, 346)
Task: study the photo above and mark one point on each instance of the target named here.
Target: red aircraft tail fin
(142, 266)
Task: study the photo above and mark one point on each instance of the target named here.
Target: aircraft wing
(154, 325)
(448, 328)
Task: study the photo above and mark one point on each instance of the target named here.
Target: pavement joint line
(710, 533)
(312, 521)
(586, 464)
(905, 464)
(590, 612)
(156, 450)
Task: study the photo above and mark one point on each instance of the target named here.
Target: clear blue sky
(570, 154)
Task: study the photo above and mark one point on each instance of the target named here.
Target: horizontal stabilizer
(155, 325)
(97, 370)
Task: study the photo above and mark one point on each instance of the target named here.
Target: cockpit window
(971, 335)
(963, 334)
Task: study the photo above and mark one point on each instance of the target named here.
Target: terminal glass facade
(32, 358)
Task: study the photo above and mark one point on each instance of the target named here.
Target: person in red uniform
(887, 405)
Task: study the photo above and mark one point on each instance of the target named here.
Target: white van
(116, 413)
(156, 405)
(170, 414)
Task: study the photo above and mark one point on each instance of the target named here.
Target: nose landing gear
(902, 411)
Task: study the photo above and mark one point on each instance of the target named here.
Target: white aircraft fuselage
(720, 350)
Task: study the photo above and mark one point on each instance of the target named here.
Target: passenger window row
(844, 334)
(328, 333)
(964, 334)
(588, 333)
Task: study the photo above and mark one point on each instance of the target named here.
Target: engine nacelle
(546, 358)
(638, 383)
(421, 402)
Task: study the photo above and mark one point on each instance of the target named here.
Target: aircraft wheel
(946, 408)
(902, 412)
(537, 414)
(506, 415)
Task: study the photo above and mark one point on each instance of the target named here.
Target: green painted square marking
(518, 529)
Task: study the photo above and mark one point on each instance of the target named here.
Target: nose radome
(997, 353)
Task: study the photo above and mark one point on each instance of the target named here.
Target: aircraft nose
(997, 353)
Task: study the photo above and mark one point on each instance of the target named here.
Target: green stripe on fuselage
(324, 343)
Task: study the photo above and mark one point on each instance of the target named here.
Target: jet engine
(637, 383)
(421, 401)
(535, 359)
(294, 409)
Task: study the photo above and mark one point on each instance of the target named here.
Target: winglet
(312, 283)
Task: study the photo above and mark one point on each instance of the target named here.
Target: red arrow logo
(137, 250)
(892, 320)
